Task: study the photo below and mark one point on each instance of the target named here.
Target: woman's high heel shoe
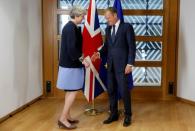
(73, 121)
(61, 125)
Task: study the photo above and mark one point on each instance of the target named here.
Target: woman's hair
(76, 11)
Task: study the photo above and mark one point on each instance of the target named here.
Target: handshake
(94, 57)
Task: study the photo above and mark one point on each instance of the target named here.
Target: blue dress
(70, 79)
(71, 72)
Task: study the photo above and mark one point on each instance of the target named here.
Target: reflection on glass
(83, 3)
(103, 4)
(64, 4)
(140, 4)
(148, 51)
(146, 25)
(147, 76)
(155, 4)
(62, 20)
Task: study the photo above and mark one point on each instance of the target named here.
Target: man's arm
(130, 35)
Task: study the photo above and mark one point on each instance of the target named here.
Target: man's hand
(128, 69)
(95, 56)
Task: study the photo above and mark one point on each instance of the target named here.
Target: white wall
(186, 57)
(20, 53)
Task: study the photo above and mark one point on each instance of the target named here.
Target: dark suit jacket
(71, 46)
(122, 51)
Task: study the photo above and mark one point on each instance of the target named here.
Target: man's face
(111, 18)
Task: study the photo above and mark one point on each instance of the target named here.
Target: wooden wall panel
(48, 39)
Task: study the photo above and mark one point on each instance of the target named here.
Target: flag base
(92, 112)
(121, 112)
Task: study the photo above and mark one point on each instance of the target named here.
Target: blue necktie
(113, 33)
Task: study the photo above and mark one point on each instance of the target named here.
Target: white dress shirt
(116, 27)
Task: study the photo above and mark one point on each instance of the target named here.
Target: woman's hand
(85, 63)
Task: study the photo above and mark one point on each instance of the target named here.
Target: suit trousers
(117, 83)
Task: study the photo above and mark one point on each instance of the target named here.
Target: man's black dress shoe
(127, 121)
(110, 119)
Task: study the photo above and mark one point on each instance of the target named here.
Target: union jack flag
(92, 40)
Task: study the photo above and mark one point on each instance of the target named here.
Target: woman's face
(79, 19)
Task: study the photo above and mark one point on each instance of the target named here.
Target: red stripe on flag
(90, 45)
(89, 13)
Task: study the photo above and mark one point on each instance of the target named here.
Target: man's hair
(112, 10)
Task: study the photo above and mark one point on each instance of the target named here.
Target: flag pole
(120, 111)
(92, 111)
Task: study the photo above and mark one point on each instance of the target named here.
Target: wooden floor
(147, 116)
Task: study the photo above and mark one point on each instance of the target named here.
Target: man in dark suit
(120, 48)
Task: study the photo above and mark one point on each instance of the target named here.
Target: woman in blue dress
(71, 72)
